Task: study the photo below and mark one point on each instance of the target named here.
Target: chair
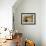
(18, 39)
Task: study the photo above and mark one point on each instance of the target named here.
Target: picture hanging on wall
(28, 18)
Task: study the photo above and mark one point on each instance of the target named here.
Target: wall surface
(6, 13)
(43, 22)
(6, 16)
(29, 31)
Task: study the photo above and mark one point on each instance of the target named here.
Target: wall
(43, 22)
(6, 13)
(6, 16)
(29, 31)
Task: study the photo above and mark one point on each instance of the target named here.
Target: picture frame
(28, 18)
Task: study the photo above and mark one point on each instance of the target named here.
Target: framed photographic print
(28, 18)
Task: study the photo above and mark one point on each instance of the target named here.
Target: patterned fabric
(29, 43)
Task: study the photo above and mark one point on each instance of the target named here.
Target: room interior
(13, 30)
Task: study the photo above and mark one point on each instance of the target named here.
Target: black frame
(34, 14)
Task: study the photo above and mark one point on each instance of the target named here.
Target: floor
(9, 43)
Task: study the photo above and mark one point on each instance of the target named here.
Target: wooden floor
(9, 43)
